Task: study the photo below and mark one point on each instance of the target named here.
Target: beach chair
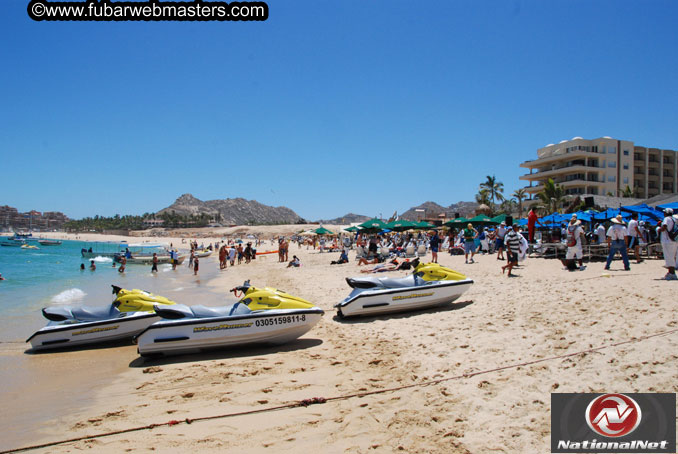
(421, 250)
(410, 252)
(360, 252)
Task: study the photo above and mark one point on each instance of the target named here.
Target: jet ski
(429, 285)
(261, 316)
(130, 312)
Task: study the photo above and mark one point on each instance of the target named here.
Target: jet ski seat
(92, 314)
(178, 311)
(373, 282)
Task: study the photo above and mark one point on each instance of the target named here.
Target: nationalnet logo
(613, 415)
(640, 422)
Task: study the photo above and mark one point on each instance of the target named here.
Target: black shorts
(511, 257)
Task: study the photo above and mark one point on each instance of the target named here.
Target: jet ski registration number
(280, 320)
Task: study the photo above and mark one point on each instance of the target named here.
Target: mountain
(349, 218)
(432, 209)
(233, 211)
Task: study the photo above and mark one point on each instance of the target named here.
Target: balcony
(561, 171)
(559, 155)
(567, 184)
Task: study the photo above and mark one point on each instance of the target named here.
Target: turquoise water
(51, 275)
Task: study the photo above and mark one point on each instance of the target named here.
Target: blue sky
(328, 107)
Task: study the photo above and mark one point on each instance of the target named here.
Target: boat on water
(29, 246)
(202, 253)
(146, 259)
(130, 313)
(49, 242)
(12, 243)
(262, 316)
(111, 249)
(429, 285)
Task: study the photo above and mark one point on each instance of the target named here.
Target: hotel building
(603, 166)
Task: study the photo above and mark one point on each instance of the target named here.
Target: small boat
(111, 249)
(49, 242)
(202, 253)
(148, 259)
(29, 246)
(429, 285)
(129, 314)
(12, 243)
(261, 316)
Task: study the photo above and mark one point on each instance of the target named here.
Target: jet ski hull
(65, 334)
(375, 301)
(168, 337)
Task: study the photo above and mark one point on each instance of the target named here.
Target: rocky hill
(236, 211)
(349, 218)
(465, 209)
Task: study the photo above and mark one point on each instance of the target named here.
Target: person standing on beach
(634, 236)
(154, 267)
(434, 242)
(512, 242)
(470, 235)
(532, 221)
(575, 236)
(196, 264)
(231, 255)
(499, 242)
(191, 258)
(669, 245)
(600, 232)
(616, 240)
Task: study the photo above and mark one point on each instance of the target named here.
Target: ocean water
(51, 275)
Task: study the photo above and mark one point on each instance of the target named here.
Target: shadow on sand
(226, 353)
(448, 307)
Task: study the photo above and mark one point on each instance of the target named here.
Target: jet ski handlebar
(241, 288)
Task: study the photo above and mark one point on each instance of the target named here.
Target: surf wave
(69, 296)
(100, 259)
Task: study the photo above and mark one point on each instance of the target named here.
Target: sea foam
(69, 296)
(100, 259)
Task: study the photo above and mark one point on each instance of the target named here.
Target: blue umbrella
(644, 209)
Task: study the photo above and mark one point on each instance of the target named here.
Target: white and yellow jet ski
(262, 316)
(130, 313)
(429, 285)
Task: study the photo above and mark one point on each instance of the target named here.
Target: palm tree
(628, 192)
(494, 188)
(552, 196)
(508, 206)
(519, 194)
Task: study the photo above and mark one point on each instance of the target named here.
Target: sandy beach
(449, 379)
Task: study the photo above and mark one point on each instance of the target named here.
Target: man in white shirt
(600, 231)
(499, 242)
(669, 246)
(634, 236)
(574, 235)
(616, 240)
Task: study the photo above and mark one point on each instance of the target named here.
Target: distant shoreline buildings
(11, 219)
(604, 166)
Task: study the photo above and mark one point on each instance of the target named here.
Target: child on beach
(92, 266)
(123, 262)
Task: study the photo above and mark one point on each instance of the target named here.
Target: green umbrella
(400, 226)
(482, 219)
(323, 231)
(352, 229)
(424, 225)
(373, 224)
(456, 222)
(499, 218)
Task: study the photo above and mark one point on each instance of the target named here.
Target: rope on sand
(322, 400)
